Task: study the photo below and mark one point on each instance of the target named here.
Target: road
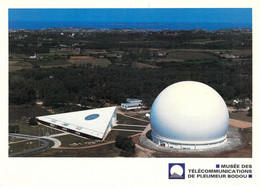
(46, 145)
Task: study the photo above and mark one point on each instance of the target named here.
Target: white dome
(189, 113)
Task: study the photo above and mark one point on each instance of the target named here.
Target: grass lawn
(70, 139)
(191, 55)
(169, 59)
(113, 134)
(38, 130)
(13, 68)
(94, 61)
(244, 52)
(109, 150)
(20, 114)
(54, 53)
(17, 112)
(125, 120)
(53, 62)
(140, 115)
(14, 139)
(21, 146)
(241, 116)
(128, 127)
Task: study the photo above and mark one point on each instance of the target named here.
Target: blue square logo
(250, 176)
(176, 171)
(217, 165)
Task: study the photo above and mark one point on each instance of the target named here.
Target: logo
(176, 171)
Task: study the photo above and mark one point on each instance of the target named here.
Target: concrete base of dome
(169, 143)
(231, 141)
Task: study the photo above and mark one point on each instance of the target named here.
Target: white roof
(93, 122)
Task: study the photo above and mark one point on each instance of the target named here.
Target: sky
(128, 16)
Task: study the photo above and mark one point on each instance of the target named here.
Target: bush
(126, 144)
(33, 122)
(14, 128)
(249, 112)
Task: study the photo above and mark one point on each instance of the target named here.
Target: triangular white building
(94, 122)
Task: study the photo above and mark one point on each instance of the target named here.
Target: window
(92, 117)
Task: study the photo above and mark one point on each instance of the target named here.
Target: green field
(109, 150)
(240, 116)
(67, 140)
(20, 114)
(129, 127)
(54, 53)
(113, 134)
(191, 55)
(17, 112)
(21, 146)
(125, 120)
(38, 130)
(14, 139)
(93, 61)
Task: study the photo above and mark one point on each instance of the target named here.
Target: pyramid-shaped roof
(92, 122)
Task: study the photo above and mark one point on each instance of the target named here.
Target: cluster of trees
(126, 144)
(14, 128)
(33, 121)
(43, 41)
(249, 112)
(21, 91)
(92, 86)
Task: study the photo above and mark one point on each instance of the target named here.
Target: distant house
(162, 54)
(132, 104)
(33, 57)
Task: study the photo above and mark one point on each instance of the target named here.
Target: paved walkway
(56, 142)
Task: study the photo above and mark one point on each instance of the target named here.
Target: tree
(14, 128)
(33, 121)
(126, 144)
(249, 112)
(21, 92)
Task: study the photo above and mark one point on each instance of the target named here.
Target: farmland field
(90, 60)
(191, 55)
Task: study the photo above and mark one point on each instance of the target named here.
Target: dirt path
(239, 123)
(121, 113)
(126, 130)
(143, 152)
(130, 125)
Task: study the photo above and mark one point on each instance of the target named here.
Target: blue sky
(212, 15)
